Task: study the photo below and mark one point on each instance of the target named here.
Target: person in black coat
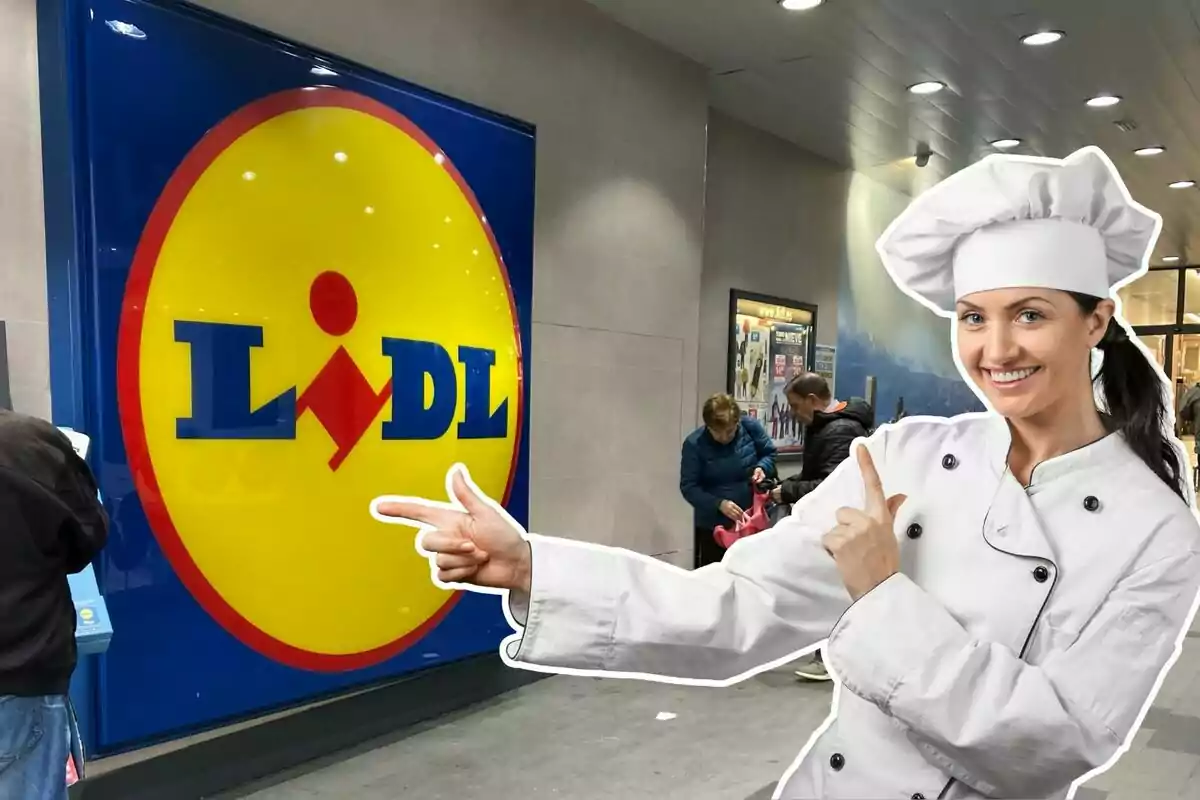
(831, 427)
(51, 525)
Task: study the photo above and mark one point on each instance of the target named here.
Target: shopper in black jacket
(51, 525)
(830, 428)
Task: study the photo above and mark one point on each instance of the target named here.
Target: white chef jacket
(1015, 651)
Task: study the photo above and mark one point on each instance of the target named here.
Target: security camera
(923, 155)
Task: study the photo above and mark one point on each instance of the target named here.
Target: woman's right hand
(732, 510)
(478, 545)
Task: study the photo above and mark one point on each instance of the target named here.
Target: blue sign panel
(301, 284)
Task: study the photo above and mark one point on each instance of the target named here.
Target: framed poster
(771, 340)
(826, 363)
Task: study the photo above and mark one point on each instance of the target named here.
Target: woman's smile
(1010, 378)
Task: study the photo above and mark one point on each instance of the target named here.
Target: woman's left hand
(863, 544)
(759, 476)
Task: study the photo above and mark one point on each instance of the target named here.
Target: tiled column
(22, 226)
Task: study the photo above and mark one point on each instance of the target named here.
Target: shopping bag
(75, 764)
(753, 521)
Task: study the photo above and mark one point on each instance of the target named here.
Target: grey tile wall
(22, 228)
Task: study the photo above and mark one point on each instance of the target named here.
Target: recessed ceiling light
(800, 5)
(1006, 144)
(927, 87)
(1149, 151)
(1104, 101)
(1170, 259)
(1183, 184)
(1042, 37)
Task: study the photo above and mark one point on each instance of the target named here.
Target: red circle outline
(129, 339)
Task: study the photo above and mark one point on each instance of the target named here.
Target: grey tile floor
(588, 739)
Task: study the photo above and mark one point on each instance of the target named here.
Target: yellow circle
(284, 539)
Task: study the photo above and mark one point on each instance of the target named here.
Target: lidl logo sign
(317, 314)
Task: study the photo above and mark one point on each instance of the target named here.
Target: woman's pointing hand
(471, 542)
(863, 545)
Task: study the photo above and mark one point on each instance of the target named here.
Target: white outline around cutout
(515, 639)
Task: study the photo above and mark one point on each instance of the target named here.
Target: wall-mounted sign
(311, 289)
(770, 342)
(825, 364)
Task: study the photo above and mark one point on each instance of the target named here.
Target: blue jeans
(35, 739)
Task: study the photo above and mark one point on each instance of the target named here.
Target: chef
(998, 594)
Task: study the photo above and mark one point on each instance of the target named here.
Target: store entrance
(1179, 356)
(1164, 309)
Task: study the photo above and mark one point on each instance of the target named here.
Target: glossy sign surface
(309, 291)
(309, 269)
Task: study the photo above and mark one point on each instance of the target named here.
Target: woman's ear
(1098, 321)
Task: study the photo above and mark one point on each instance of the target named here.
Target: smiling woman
(1010, 341)
(1030, 353)
(988, 649)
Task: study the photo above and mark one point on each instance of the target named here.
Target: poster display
(771, 341)
(825, 364)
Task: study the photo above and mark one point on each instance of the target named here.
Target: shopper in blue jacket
(720, 461)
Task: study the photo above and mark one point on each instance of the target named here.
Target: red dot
(333, 302)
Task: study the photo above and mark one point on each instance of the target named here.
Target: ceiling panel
(834, 81)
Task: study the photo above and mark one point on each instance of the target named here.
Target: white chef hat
(1021, 221)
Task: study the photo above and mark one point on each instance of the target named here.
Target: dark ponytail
(1134, 400)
